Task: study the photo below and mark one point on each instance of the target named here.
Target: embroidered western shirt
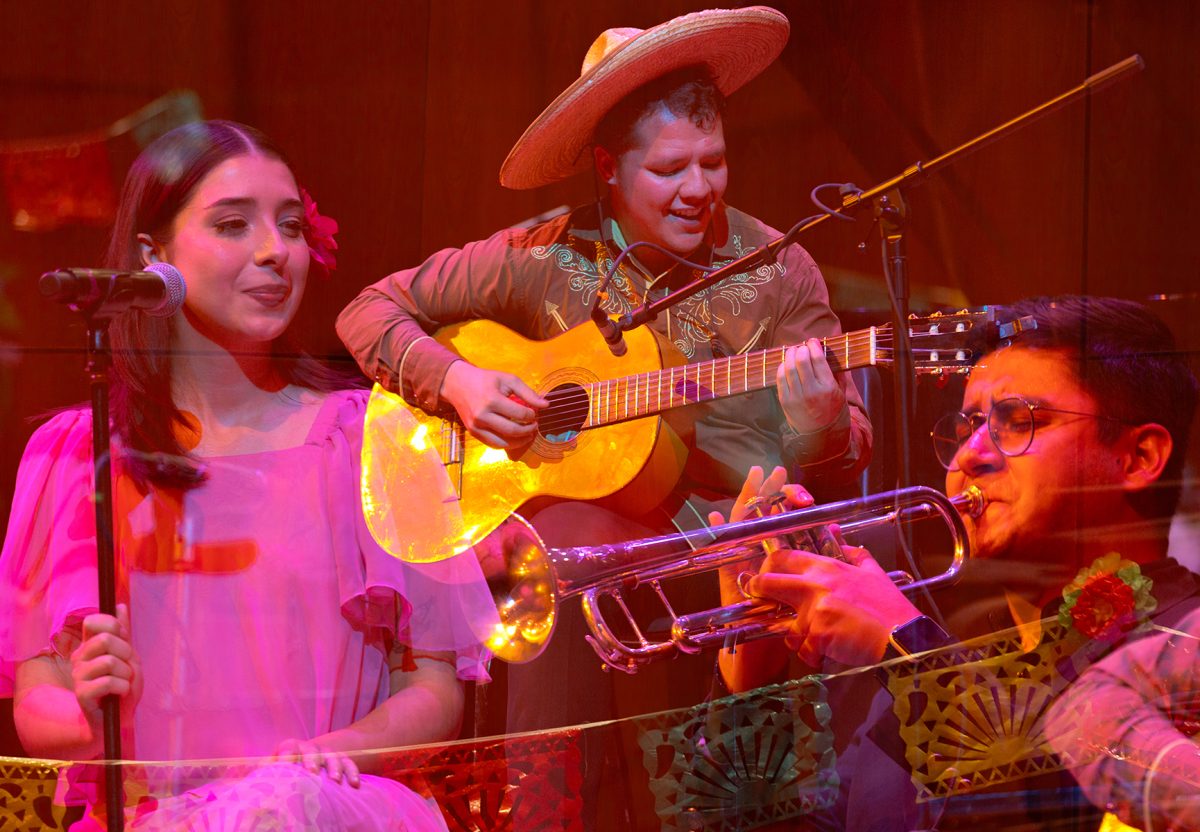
(540, 281)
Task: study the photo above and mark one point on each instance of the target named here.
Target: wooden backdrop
(398, 115)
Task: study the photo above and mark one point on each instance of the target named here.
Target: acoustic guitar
(602, 433)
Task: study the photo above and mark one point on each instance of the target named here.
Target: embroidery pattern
(585, 277)
(696, 318)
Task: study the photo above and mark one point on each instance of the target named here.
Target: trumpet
(530, 581)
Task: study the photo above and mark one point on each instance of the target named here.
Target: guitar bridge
(451, 443)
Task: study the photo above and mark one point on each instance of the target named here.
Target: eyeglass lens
(1010, 425)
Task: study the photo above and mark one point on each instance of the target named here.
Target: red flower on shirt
(1104, 602)
(1106, 599)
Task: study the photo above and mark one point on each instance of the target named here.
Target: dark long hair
(158, 186)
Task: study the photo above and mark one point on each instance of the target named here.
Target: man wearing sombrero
(646, 116)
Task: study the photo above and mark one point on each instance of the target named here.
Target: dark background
(397, 116)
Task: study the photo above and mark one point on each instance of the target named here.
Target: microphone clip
(609, 329)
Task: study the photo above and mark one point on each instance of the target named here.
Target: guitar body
(640, 458)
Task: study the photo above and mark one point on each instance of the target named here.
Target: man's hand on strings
(810, 394)
(497, 408)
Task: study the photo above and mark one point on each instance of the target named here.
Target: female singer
(258, 617)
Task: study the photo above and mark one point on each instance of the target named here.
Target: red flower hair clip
(318, 232)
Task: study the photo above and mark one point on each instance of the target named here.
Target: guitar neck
(646, 394)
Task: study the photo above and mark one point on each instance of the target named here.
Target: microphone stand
(887, 201)
(98, 314)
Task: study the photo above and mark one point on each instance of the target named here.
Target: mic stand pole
(99, 361)
(892, 213)
(98, 310)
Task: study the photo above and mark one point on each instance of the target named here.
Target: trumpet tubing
(535, 580)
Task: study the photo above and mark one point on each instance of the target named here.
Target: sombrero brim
(735, 44)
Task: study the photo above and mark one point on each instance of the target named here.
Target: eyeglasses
(1010, 424)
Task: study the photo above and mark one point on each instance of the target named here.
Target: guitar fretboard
(632, 397)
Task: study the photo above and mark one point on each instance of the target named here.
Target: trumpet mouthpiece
(971, 501)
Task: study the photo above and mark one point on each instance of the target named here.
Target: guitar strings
(571, 408)
(568, 407)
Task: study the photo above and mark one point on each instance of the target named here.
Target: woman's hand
(497, 408)
(316, 758)
(105, 663)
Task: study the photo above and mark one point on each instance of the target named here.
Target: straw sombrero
(735, 44)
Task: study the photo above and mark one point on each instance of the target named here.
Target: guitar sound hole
(564, 418)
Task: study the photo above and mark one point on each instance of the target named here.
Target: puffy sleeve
(48, 564)
(443, 606)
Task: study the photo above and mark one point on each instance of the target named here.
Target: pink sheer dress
(261, 608)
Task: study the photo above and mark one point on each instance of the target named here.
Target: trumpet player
(1076, 433)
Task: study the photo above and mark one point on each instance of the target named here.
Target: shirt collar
(707, 253)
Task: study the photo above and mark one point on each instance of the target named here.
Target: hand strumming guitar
(497, 408)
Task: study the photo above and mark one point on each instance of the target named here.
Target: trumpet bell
(521, 580)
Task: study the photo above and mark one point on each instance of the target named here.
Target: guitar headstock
(953, 342)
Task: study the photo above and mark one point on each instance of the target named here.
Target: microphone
(159, 291)
(610, 330)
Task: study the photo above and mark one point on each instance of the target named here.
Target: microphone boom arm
(854, 201)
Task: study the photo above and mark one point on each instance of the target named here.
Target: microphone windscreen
(176, 292)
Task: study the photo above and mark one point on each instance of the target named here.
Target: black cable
(844, 188)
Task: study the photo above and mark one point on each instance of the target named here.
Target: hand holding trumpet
(845, 606)
(845, 609)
